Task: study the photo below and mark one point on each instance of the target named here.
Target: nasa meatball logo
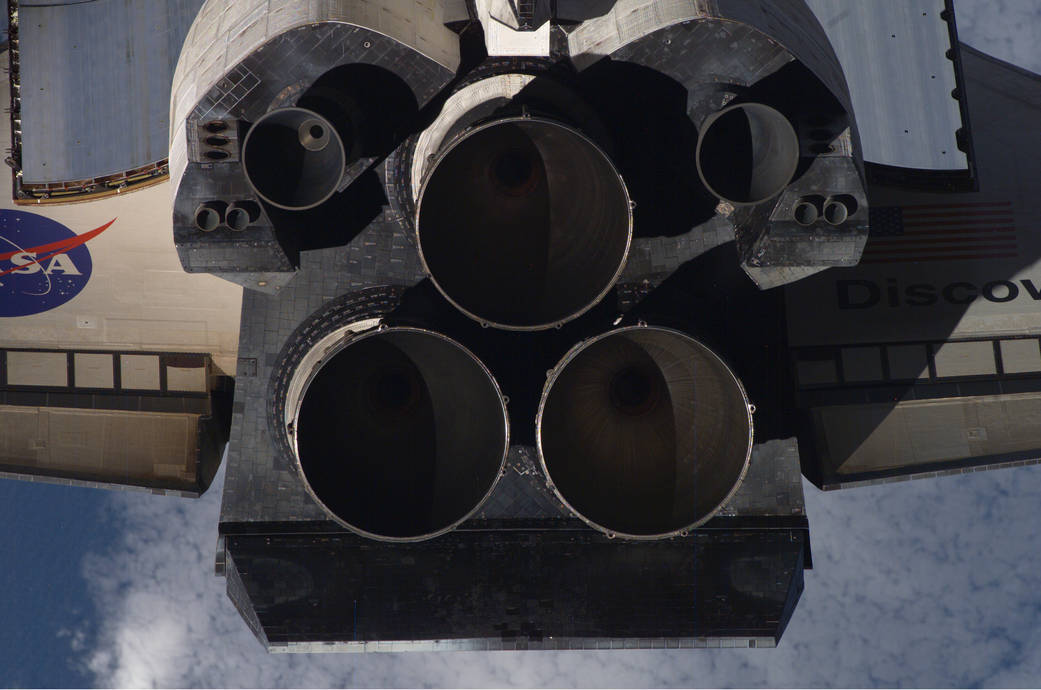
(43, 264)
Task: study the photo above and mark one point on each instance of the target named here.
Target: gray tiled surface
(770, 35)
(655, 258)
(773, 483)
(521, 491)
(268, 76)
(260, 483)
(522, 586)
(302, 55)
(240, 598)
(772, 486)
(228, 32)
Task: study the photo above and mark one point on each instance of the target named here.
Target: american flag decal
(941, 232)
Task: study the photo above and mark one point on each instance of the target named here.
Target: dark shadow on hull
(372, 108)
(333, 224)
(518, 360)
(800, 96)
(646, 116)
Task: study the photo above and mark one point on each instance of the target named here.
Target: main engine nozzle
(747, 153)
(644, 432)
(523, 223)
(400, 433)
(293, 158)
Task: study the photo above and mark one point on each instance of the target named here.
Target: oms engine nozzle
(644, 432)
(747, 153)
(523, 223)
(399, 433)
(293, 158)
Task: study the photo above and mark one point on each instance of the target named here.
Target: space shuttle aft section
(489, 395)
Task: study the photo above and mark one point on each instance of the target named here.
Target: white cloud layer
(1006, 29)
(928, 583)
